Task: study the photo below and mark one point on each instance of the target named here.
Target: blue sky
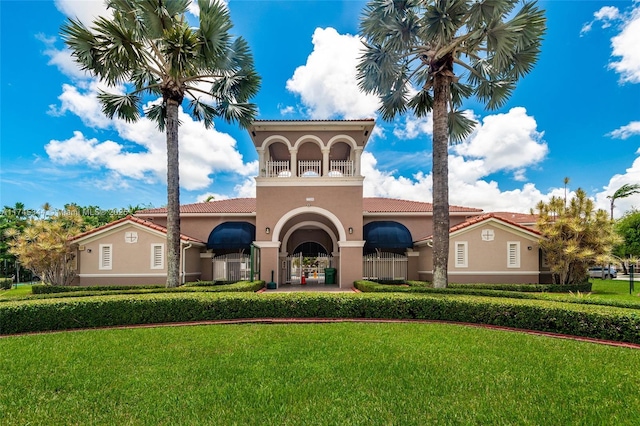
(576, 115)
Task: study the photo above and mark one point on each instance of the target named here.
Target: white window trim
(517, 254)
(464, 262)
(101, 263)
(153, 257)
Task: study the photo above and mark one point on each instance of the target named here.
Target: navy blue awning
(386, 235)
(232, 236)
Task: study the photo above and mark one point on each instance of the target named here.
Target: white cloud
(507, 141)
(631, 176)
(327, 84)
(625, 46)
(202, 151)
(606, 15)
(625, 132)
(625, 43)
(246, 189)
(84, 10)
(413, 126)
(501, 142)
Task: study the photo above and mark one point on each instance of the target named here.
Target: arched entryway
(309, 240)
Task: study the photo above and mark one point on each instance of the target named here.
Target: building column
(358, 152)
(294, 162)
(325, 161)
(350, 263)
(269, 259)
(261, 163)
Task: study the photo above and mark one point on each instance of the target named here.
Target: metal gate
(232, 267)
(384, 266)
(312, 268)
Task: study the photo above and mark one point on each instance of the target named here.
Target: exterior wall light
(529, 248)
(350, 230)
(267, 230)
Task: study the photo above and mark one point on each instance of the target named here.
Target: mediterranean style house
(309, 223)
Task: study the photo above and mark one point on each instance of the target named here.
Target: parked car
(596, 272)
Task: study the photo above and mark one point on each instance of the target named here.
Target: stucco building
(309, 215)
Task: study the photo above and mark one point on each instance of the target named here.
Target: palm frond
(421, 103)
(215, 24)
(158, 114)
(203, 112)
(125, 107)
(242, 113)
(460, 126)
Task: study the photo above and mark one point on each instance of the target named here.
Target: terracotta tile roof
(248, 205)
(137, 220)
(391, 205)
(232, 205)
(482, 218)
(520, 218)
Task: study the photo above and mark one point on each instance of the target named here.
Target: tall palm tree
(429, 56)
(148, 47)
(624, 191)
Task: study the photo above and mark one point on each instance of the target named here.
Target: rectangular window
(461, 254)
(513, 254)
(106, 256)
(157, 256)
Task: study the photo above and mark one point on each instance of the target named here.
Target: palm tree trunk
(440, 176)
(173, 196)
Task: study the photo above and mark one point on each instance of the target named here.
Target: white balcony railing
(341, 168)
(277, 169)
(309, 168)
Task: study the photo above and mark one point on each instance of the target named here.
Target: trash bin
(329, 275)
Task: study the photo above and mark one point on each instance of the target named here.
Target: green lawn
(333, 374)
(19, 292)
(616, 289)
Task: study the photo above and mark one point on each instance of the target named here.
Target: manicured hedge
(580, 320)
(527, 288)
(415, 287)
(100, 290)
(49, 289)
(6, 283)
(424, 287)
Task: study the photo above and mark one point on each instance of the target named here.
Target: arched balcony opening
(278, 163)
(340, 160)
(309, 160)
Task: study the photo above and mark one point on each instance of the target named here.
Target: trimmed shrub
(6, 283)
(575, 319)
(49, 289)
(527, 288)
(100, 290)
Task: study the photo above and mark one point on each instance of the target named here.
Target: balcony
(309, 169)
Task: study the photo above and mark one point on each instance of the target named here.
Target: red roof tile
(248, 205)
(137, 220)
(520, 218)
(482, 218)
(392, 205)
(232, 205)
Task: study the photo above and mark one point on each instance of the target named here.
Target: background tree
(13, 220)
(429, 56)
(624, 191)
(628, 228)
(574, 236)
(149, 47)
(94, 216)
(43, 247)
